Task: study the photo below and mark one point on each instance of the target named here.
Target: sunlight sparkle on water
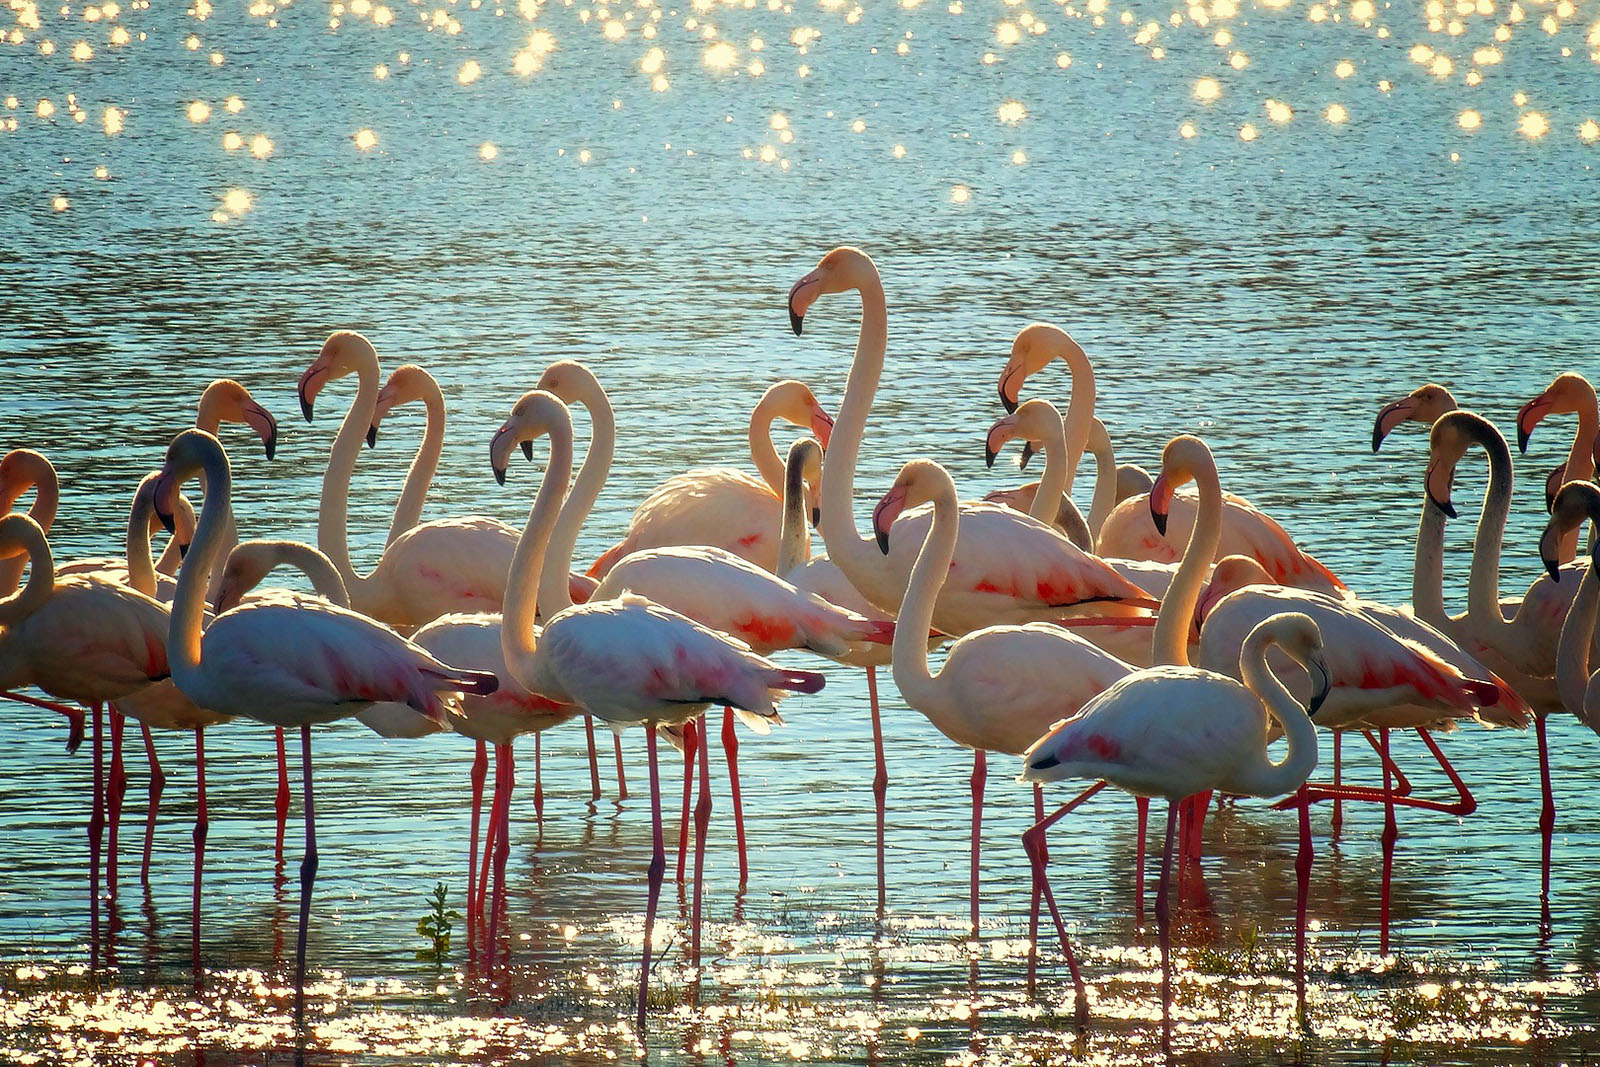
(365, 139)
(1207, 90)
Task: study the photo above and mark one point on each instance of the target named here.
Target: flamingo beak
(527, 450)
(816, 518)
(883, 516)
(261, 421)
(162, 500)
(1161, 503)
(1529, 417)
(1547, 550)
(1389, 417)
(499, 450)
(994, 442)
(821, 425)
(372, 436)
(309, 386)
(1028, 452)
(1438, 485)
(801, 297)
(1321, 684)
(1011, 380)
(1208, 600)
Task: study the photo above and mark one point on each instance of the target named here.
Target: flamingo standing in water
(1580, 690)
(286, 663)
(1180, 732)
(723, 507)
(1568, 394)
(627, 660)
(79, 638)
(1000, 688)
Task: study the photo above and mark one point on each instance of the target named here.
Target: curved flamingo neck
(910, 649)
(305, 559)
(1580, 467)
(1483, 581)
(794, 542)
(1170, 642)
(1056, 478)
(555, 591)
(762, 451)
(188, 601)
(1577, 633)
(1105, 477)
(141, 568)
(517, 632)
(857, 558)
(46, 501)
(1262, 777)
(1427, 572)
(1080, 409)
(424, 465)
(17, 606)
(333, 518)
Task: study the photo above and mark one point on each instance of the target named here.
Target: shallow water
(1267, 293)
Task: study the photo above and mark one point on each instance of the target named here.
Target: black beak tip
(1044, 763)
(305, 408)
(1443, 505)
(272, 447)
(988, 456)
(500, 475)
(883, 541)
(1027, 456)
(166, 520)
(372, 437)
(1522, 438)
(1160, 519)
(1377, 439)
(527, 449)
(1317, 701)
(1555, 570)
(816, 518)
(796, 322)
(1007, 402)
(183, 549)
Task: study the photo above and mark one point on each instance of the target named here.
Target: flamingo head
(1423, 405)
(803, 473)
(1297, 635)
(1031, 352)
(1035, 422)
(1553, 483)
(225, 400)
(20, 470)
(344, 352)
(189, 453)
(1183, 458)
(1569, 394)
(1452, 434)
(1231, 574)
(535, 414)
(248, 566)
(1574, 503)
(794, 403)
(919, 481)
(840, 270)
(144, 506)
(1132, 480)
(407, 384)
(20, 535)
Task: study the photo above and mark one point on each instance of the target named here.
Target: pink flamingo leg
(730, 748)
(96, 826)
(281, 807)
(1164, 926)
(502, 848)
(480, 768)
(594, 758)
(1391, 833)
(1037, 891)
(980, 775)
(1547, 811)
(658, 867)
(158, 782)
(73, 715)
(202, 824)
(691, 735)
(1202, 805)
(1142, 805)
(1302, 873)
(538, 779)
(622, 778)
(1033, 843)
(491, 836)
(1336, 824)
(116, 790)
(1465, 803)
(702, 820)
(880, 779)
(308, 876)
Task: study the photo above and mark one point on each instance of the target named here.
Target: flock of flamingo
(1158, 644)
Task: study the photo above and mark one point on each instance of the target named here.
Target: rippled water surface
(1260, 219)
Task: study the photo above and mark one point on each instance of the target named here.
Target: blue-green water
(1266, 293)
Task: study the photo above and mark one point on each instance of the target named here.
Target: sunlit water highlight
(484, 189)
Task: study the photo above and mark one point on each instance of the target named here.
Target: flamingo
(720, 506)
(1001, 687)
(1569, 394)
(1180, 732)
(1039, 424)
(425, 571)
(1010, 568)
(1580, 690)
(412, 384)
(627, 661)
(23, 469)
(286, 664)
(80, 638)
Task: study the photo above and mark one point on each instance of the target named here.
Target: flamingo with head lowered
(285, 663)
(626, 660)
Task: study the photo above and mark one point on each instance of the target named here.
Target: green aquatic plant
(436, 926)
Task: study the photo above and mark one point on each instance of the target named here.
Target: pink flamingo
(286, 663)
(628, 661)
(1569, 394)
(1180, 732)
(722, 507)
(1580, 690)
